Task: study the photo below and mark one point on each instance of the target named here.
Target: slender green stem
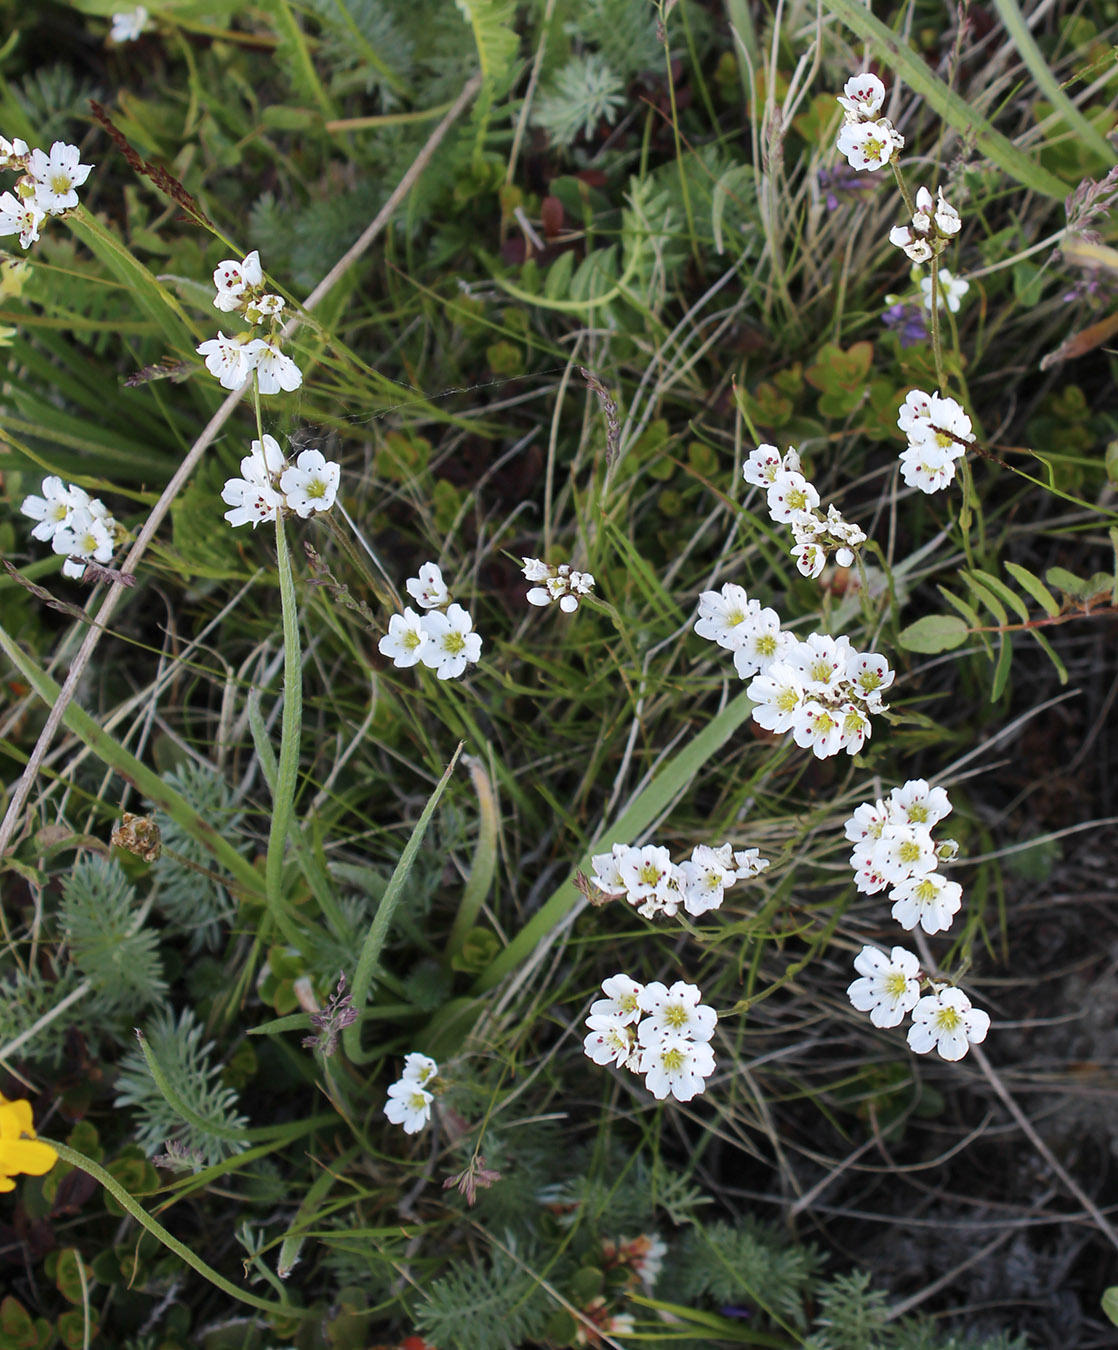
(287, 769)
(485, 859)
(937, 349)
(909, 204)
(183, 1252)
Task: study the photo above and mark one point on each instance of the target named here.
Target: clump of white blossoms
(656, 1031)
(77, 526)
(889, 990)
(823, 691)
(868, 140)
(894, 848)
(938, 432)
(951, 290)
(933, 227)
(47, 186)
(240, 290)
(442, 637)
(410, 1097)
(561, 583)
(653, 884)
(793, 500)
(269, 486)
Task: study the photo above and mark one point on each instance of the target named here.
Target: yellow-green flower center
(765, 645)
(925, 891)
(909, 851)
(675, 1015)
(788, 700)
(672, 1060)
(60, 182)
(895, 984)
(453, 642)
(948, 1019)
(316, 488)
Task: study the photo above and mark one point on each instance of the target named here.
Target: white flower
(266, 307)
(946, 426)
(919, 804)
(750, 864)
(725, 616)
(790, 494)
(408, 1105)
(647, 875)
(561, 583)
(21, 217)
(904, 851)
(53, 509)
(889, 987)
(230, 359)
(13, 154)
(927, 467)
(607, 870)
(535, 570)
(704, 877)
(428, 590)
(868, 877)
(274, 371)
(254, 496)
(927, 900)
(951, 290)
(762, 643)
(778, 695)
(856, 728)
(867, 822)
(128, 25)
(673, 1012)
(869, 145)
(947, 219)
(612, 1040)
(916, 246)
(233, 278)
(932, 226)
(862, 97)
(946, 1021)
(916, 408)
(622, 999)
(762, 466)
(405, 640)
(872, 675)
(56, 177)
(418, 1068)
(312, 484)
(83, 536)
(818, 728)
(677, 1066)
(453, 644)
(810, 559)
(822, 661)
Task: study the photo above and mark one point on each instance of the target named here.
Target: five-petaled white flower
(889, 986)
(622, 999)
(53, 509)
(862, 97)
(869, 145)
(405, 640)
(254, 497)
(419, 1068)
(676, 1066)
(56, 176)
(274, 371)
(951, 290)
(409, 1105)
(677, 1011)
(428, 590)
(21, 217)
(452, 642)
(312, 484)
(232, 279)
(229, 358)
(83, 536)
(946, 1022)
(129, 24)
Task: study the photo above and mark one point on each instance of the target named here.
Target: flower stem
(909, 204)
(937, 349)
(183, 1252)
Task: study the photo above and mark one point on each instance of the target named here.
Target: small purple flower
(845, 181)
(908, 321)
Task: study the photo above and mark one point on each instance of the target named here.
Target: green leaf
(1110, 1303)
(935, 633)
(1061, 669)
(1002, 591)
(1035, 587)
(914, 70)
(991, 601)
(1001, 670)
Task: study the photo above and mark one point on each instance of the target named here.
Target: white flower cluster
(820, 688)
(660, 1032)
(867, 140)
(933, 226)
(951, 290)
(77, 526)
(560, 583)
(889, 988)
(793, 500)
(893, 847)
(442, 637)
(410, 1098)
(47, 186)
(269, 485)
(653, 884)
(240, 290)
(938, 432)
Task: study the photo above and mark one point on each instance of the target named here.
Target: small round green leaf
(935, 633)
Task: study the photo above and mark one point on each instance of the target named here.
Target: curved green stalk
(485, 859)
(156, 1229)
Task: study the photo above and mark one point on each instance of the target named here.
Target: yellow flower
(20, 1151)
